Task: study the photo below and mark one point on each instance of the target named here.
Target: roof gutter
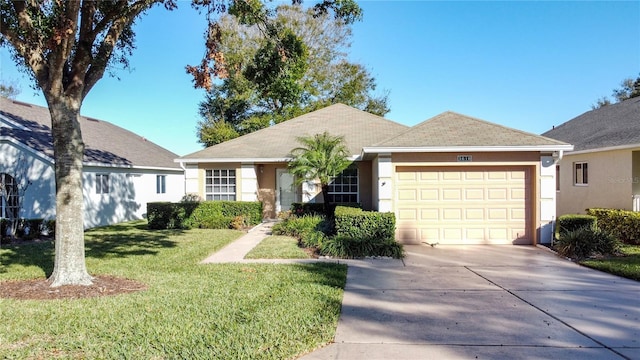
(183, 161)
(434, 149)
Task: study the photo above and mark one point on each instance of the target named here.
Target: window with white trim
(220, 184)
(161, 184)
(344, 188)
(581, 174)
(102, 183)
(8, 197)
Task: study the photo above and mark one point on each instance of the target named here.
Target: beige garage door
(455, 205)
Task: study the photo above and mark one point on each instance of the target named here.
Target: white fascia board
(245, 160)
(129, 167)
(378, 150)
(610, 148)
(230, 160)
(12, 123)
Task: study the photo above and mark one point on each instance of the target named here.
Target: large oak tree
(66, 47)
(320, 74)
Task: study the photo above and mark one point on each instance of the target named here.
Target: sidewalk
(236, 251)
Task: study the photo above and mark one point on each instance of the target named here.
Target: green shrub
(584, 241)
(302, 209)
(206, 214)
(623, 224)
(572, 222)
(353, 248)
(298, 226)
(313, 239)
(355, 223)
(29, 229)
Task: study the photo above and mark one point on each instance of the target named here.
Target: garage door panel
(468, 206)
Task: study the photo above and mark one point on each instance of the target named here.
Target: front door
(285, 190)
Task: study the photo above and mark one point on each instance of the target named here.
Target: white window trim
(357, 192)
(575, 174)
(99, 183)
(161, 184)
(227, 194)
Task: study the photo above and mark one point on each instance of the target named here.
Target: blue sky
(526, 65)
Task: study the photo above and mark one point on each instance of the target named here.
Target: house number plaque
(465, 158)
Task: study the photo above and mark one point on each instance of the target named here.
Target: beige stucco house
(452, 179)
(603, 170)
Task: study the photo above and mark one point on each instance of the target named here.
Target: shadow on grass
(115, 241)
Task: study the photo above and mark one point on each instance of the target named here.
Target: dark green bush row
(206, 214)
(359, 233)
(572, 222)
(30, 228)
(623, 224)
(358, 224)
(352, 248)
(586, 241)
(302, 209)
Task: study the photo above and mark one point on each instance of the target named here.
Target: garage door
(455, 205)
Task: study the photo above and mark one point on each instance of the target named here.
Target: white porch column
(385, 183)
(249, 182)
(547, 198)
(191, 183)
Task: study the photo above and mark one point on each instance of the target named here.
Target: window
(8, 197)
(161, 181)
(102, 183)
(220, 184)
(344, 188)
(581, 173)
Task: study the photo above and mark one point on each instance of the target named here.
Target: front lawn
(626, 266)
(189, 311)
(278, 247)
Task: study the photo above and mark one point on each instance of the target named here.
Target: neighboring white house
(122, 171)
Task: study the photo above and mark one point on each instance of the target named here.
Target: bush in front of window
(206, 214)
(623, 224)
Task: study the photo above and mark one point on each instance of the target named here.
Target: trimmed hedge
(356, 223)
(623, 224)
(303, 209)
(206, 214)
(571, 222)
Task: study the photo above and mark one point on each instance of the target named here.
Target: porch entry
(285, 190)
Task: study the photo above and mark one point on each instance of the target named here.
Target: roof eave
(433, 149)
(245, 160)
(608, 148)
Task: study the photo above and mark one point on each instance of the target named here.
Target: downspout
(557, 156)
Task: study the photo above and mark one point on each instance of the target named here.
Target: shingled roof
(358, 127)
(105, 143)
(451, 129)
(609, 126)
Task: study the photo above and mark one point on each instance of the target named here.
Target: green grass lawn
(626, 266)
(189, 311)
(278, 247)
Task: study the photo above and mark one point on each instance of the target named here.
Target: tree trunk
(69, 264)
(325, 198)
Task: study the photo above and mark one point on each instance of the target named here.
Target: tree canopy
(629, 88)
(259, 87)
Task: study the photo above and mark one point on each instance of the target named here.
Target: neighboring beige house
(603, 170)
(452, 179)
(122, 171)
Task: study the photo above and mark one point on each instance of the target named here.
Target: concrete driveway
(484, 302)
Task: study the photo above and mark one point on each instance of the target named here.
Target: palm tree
(321, 156)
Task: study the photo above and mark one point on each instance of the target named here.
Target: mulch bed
(40, 289)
